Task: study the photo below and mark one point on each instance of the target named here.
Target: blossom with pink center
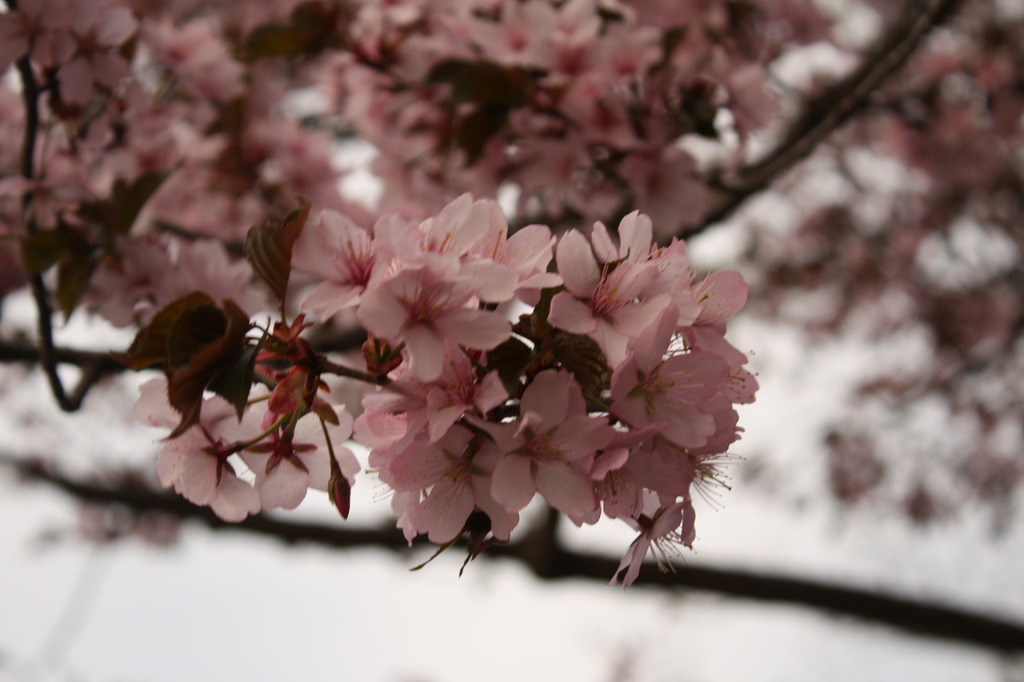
(605, 301)
(442, 483)
(150, 273)
(423, 305)
(550, 448)
(197, 462)
(436, 405)
(526, 254)
(197, 56)
(518, 36)
(655, 385)
(288, 463)
(667, 185)
(455, 234)
(339, 252)
(98, 30)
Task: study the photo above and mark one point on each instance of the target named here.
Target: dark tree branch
(830, 109)
(94, 367)
(23, 352)
(540, 551)
(69, 402)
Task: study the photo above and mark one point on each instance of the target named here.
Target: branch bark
(548, 560)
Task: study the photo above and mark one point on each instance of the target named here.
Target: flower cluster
(613, 394)
(139, 139)
(580, 105)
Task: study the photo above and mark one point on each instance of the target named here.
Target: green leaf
(268, 248)
(127, 200)
(193, 330)
(495, 89)
(693, 109)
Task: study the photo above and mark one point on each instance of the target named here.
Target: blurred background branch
(547, 559)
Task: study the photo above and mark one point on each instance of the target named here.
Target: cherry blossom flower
(99, 30)
(444, 482)
(288, 463)
(434, 406)
(550, 448)
(604, 301)
(662, 530)
(196, 463)
(341, 254)
(654, 385)
(424, 304)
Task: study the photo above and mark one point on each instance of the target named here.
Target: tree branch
(69, 402)
(830, 109)
(549, 560)
(94, 366)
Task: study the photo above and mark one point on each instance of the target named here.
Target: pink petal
(604, 247)
(565, 488)
(168, 465)
(116, 26)
(493, 282)
(480, 329)
(577, 265)
(76, 79)
(318, 464)
(446, 509)
(284, 487)
(548, 395)
(426, 352)
(512, 482)
(152, 407)
(529, 248)
(634, 559)
(328, 298)
(651, 345)
(633, 319)
(198, 480)
(721, 295)
(635, 236)
(571, 314)
(235, 500)
(382, 313)
(491, 393)
(442, 419)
